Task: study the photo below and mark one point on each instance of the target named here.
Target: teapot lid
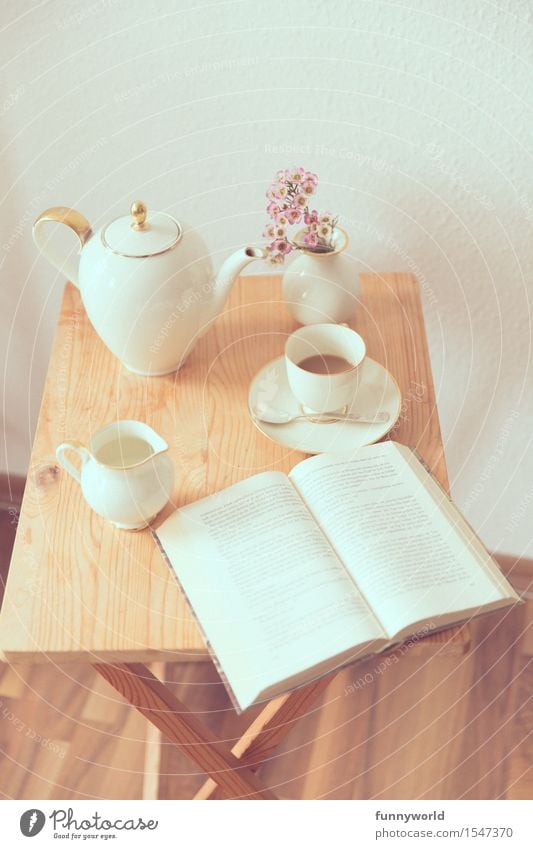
(141, 234)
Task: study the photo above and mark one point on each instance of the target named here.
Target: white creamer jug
(124, 473)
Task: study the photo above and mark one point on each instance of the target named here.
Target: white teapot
(146, 281)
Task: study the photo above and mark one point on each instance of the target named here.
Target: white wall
(414, 114)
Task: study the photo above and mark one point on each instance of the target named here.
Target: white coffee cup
(324, 393)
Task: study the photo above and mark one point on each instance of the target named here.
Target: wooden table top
(78, 588)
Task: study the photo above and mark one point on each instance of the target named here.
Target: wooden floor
(441, 728)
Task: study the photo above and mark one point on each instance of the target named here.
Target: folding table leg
(281, 714)
(269, 728)
(155, 701)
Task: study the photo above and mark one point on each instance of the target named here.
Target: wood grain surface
(79, 589)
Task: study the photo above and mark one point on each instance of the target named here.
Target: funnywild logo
(32, 822)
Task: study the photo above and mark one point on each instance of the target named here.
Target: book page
(403, 550)
(271, 594)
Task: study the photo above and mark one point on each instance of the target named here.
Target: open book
(293, 576)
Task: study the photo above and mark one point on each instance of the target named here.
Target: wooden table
(80, 590)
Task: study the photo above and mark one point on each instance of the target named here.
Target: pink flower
(311, 240)
(296, 175)
(273, 209)
(273, 255)
(293, 216)
(270, 231)
(282, 246)
(277, 191)
(311, 217)
(299, 201)
(288, 204)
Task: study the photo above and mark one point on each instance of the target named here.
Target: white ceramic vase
(322, 286)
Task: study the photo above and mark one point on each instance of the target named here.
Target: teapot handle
(73, 219)
(69, 467)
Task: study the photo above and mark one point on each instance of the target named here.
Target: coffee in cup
(324, 365)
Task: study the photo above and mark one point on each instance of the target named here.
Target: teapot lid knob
(139, 212)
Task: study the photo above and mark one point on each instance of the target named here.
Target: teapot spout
(231, 269)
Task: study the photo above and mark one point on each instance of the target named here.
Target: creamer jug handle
(69, 467)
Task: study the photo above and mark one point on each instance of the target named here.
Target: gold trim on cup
(329, 373)
(352, 367)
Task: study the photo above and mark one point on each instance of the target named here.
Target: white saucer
(377, 391)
